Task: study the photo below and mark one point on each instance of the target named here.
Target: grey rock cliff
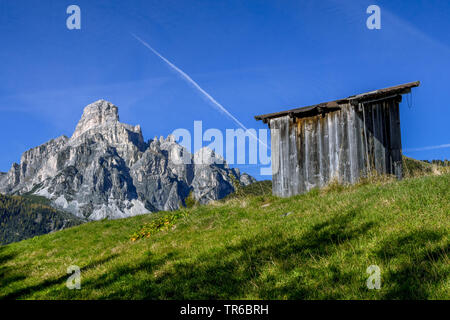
(107, 170)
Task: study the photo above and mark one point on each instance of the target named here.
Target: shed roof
(334, 105)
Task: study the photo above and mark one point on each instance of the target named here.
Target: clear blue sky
(252, 56)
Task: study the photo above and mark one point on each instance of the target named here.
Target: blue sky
(253, 57)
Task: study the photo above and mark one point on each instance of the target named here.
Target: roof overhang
(380, 94)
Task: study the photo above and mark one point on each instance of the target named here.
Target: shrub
(190, 201)
(164, 223)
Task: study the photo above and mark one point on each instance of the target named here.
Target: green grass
(251, 248)
(255, 189)
(416, 168)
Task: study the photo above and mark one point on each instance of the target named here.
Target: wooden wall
(309, 152)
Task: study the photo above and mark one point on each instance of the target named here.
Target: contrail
(192, 82)
(441, 146)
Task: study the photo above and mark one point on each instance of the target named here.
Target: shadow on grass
(12, 276)
(241, 269)
(7, 274)
(236, 270)
(417, 273)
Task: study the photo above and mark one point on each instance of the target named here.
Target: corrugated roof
(334, 105)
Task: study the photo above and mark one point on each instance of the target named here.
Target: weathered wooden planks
(344, 145)
(275, 155)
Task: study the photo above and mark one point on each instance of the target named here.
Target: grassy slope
(246, 248)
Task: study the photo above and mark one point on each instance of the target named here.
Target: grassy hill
(312, 246)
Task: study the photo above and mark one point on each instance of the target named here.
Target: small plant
(190, 201)
(164, 223)
(332, 186)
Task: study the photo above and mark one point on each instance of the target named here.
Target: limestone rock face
(107, 170)
(99, 113)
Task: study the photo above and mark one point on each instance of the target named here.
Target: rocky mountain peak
(106, 170)
(96, 114)
(207, 156)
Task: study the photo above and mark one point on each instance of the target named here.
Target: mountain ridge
(23, 217)
(107, 170)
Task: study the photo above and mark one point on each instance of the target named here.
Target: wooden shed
(340, 140)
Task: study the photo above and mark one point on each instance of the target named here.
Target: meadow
(253, 245)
